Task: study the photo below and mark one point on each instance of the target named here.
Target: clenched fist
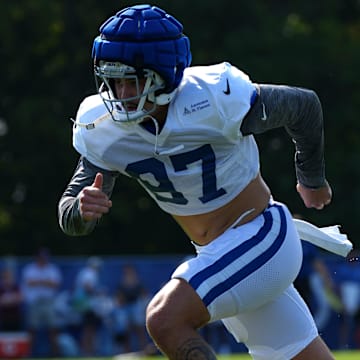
(315, 198)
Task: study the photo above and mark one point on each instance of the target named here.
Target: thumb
(98, 182)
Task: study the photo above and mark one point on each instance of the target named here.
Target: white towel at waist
(329, 238)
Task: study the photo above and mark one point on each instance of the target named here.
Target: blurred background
(45, 55)
(47, 70)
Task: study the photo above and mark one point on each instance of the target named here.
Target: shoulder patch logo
(201, 105)
(227, 91)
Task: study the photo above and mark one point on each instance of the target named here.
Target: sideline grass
(347, 355)
(339, 355)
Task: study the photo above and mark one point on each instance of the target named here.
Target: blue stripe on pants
(239, 251)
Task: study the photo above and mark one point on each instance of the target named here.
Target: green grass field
(340, 355)
(345, 355)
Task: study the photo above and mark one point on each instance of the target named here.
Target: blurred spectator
(135, 299)
(41, 280)
(88, 277)
(103, 305)
(10, 302)
(315, 284)
(120, 324)
(87, 285)
(69, 323)
(349, 275)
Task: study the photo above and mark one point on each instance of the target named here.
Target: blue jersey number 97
(180, 162)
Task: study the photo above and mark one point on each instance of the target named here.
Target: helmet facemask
(132, 109)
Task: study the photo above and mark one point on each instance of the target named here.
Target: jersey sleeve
(234, 96)
(78, 131)
(91, 129)
(299, 111)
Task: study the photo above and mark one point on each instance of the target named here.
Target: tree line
(47, 70)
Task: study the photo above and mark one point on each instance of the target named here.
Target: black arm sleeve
(70, 220)
(299, 111)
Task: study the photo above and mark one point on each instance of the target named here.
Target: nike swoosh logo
(227, 91)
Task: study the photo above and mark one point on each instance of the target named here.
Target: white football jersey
(199, 161)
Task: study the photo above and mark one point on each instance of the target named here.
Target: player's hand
(93, 202)
(315, 198)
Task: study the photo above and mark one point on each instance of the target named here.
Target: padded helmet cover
(145, 37)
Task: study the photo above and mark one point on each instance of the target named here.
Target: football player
(186, 134)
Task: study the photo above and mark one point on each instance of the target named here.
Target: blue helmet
(143, 37)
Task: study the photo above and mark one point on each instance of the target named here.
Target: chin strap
(91, 125)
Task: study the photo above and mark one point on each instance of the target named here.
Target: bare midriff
(250, 202)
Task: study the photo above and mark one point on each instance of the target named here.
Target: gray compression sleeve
(299, 111)
(70, 220)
